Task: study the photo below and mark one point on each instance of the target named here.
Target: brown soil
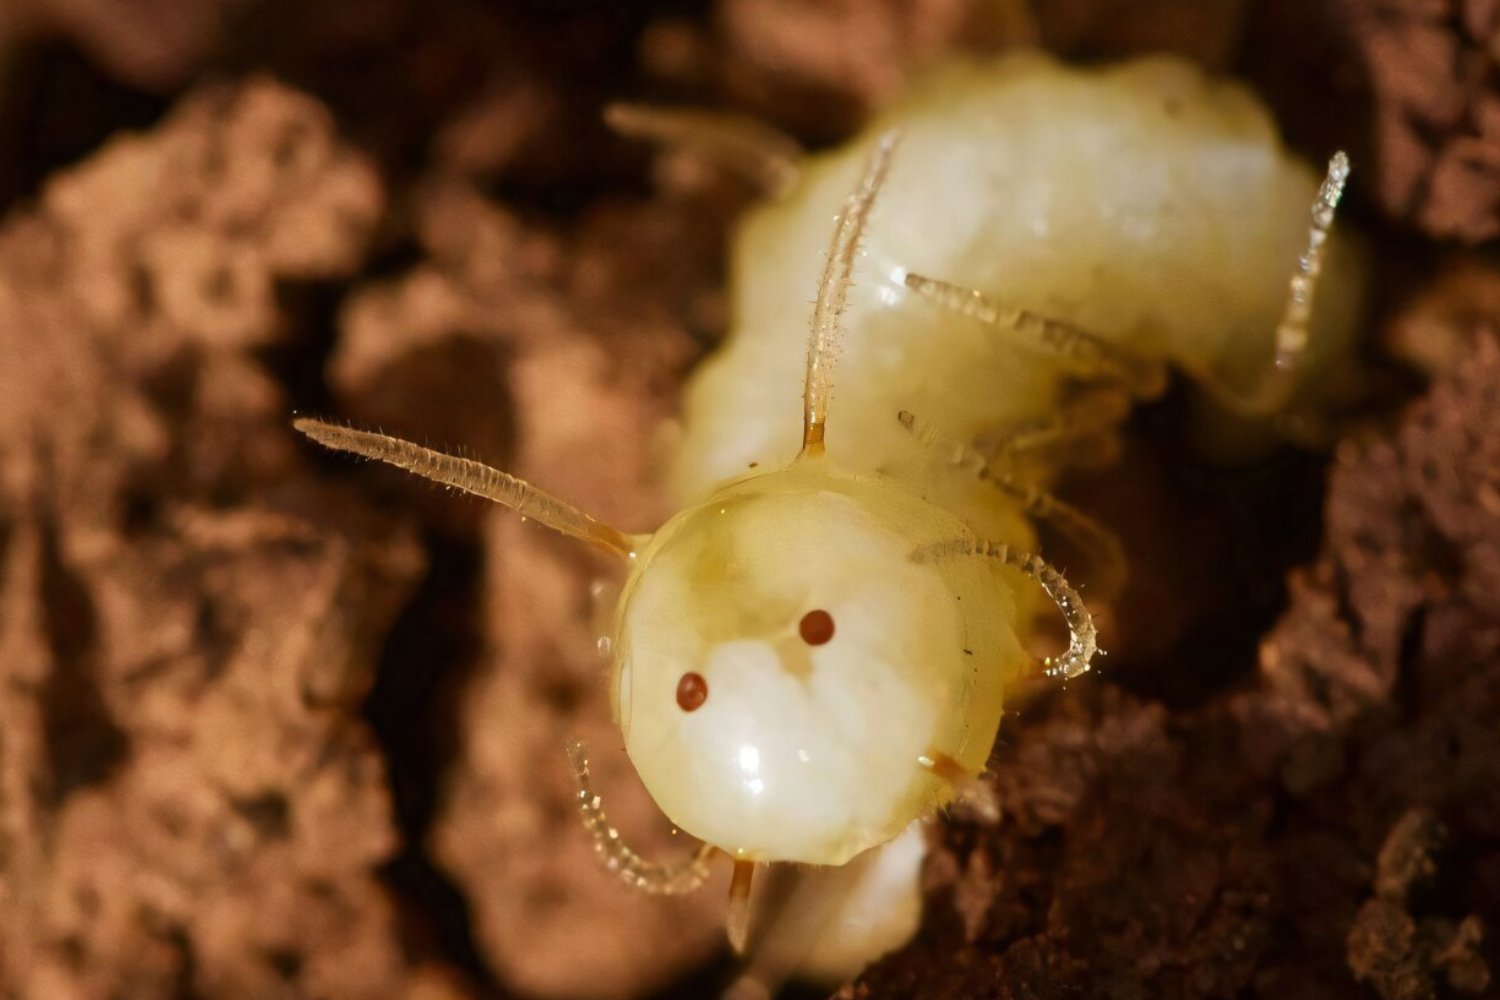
(276, 725)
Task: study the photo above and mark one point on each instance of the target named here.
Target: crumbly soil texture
(275, 724)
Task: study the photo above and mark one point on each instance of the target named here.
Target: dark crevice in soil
(412, 706)
(57, 107)
(412, 710)
(299, 362)
(84, 745)
(1408, 694)
(394, 75)
(1213, 542)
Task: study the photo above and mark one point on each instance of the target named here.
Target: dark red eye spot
(816, 627)
(692, 692)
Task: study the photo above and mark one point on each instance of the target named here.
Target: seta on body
(812, 655)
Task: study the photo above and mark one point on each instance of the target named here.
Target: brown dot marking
(816, 627)
(692, 691)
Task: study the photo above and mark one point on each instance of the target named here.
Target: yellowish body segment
(777, 762)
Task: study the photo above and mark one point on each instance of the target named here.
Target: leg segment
(1279, 380)
(970, 789)
(674, 879)
(738, 925)
(1089, 356)
(765, 156)
(1083, 641)
(1093, 539)
(1074, 434)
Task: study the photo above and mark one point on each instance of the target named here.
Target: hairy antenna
(472, 477)
(833, 295)
(674, 879)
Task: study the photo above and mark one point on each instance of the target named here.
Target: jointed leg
(970, 789)
(674, 879)
(1086, 355)
(1064, 436)
(764, 155)
(738, 924)
(1096, 541)
(1083, 641)
(1277, 384)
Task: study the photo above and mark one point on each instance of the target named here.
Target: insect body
(814, 653)
(1145, 203)
(795, 631)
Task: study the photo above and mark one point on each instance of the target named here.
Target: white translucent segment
(874, 906)
(839, 919)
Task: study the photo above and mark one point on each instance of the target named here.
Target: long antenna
(833, 295)
(471, 477)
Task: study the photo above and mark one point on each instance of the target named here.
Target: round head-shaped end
(786, 666)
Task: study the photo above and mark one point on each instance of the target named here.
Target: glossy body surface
(808, 745)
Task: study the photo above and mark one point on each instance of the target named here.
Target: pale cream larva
(1146, 203)
(808, 659)
(813, 653)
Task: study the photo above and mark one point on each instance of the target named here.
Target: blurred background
(274, 724)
